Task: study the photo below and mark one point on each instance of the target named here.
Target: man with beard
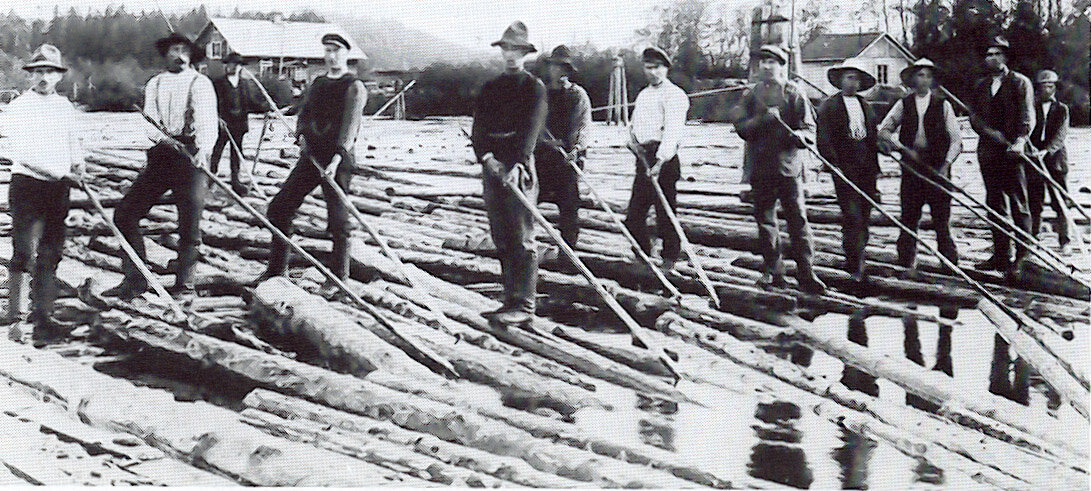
(236, 98)
(184, 102)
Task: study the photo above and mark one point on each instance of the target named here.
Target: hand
(492, 166)
(513, 176)
(202, 158)
(996, 136)
(331, 169)
(773, 112)
(1016, 148)
(799, 140)
(653, 171)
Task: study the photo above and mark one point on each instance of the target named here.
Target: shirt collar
(921, 97)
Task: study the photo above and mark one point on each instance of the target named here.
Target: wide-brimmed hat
(516, 36)
(998, 42)
(196, 54)
(48, 56)
(561, 56)
(655, 54)
(775, 52)
(911, 70)
(336, 40)
(233, 58)
(1048, 76)
(834, 74)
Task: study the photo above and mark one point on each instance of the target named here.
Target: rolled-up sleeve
(675, 108)
(893, 119)
(205, 118)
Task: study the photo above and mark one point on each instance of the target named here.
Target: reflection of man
(1048, 137)
(236, 98)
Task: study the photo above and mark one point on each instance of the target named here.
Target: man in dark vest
(846, 137)
(236, 98)
(1048, 138)
(329, 120)
(564, 141)
(928, 134)
(1003, 105)
(777, 166)
(183, 101)
(509, 117)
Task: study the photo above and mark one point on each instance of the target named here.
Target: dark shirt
(770, 150)
(235, 103)
(510, 113)
(569, 116)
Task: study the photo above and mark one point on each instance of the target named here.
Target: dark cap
(561, 56)
(336, 39)
(998, 42)
(196, 54)
(774, 52)
(653, 54)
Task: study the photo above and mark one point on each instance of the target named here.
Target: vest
(935, 130)
(325, 110)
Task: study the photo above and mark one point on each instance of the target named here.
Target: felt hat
(911, 70)
(834, 74)
(163, 44)
(775, 52)
(233, 58)
(653, 54)
(561, 56)
(998, 42)
(337, 40)
(516, 36)
(48, 56)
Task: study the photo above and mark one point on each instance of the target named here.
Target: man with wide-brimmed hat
(1003, 105)
(508, 119)
(236, 98)
(183, 102)
(44, 154)
(930, 142)
(1048, 138)
(772, 152)
(847, 134)
(563, 142)
(655, 136)
(326, 130)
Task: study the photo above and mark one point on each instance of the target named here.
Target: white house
(884, 56)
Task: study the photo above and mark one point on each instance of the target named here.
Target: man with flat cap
(1003, 105)
(564, 141)
(847, 139)
(655, 136)
(236, 98)
(1048, 138)
(326, 129)
(183, 101)
(772, 152)
(508, 120)
(930, 142)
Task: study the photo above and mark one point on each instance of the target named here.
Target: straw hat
(852, 64)
(48, 56)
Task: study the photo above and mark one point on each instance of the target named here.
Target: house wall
(815, 72)
(880, 53)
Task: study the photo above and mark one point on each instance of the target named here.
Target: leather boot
(18, 293)
(183, 273)
(128, 289)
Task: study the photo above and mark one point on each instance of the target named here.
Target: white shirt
(233, 79)
(1045, 114)
(893, 121)
(38, 136)
(997, 81)
(169, 100)
(856, 117)
(660, 115)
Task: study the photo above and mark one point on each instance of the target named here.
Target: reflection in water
(777, 456)
(853, 378)
(1000, 377)
(853, 456)
(657, 434)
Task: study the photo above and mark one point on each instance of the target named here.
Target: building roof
(840, 47)
(276, 39)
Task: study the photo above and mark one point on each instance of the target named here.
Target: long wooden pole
(261, 139)
(434, 362)
(395, 98)
(238, 151)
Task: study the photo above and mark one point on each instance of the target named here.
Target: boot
(513, 317)
(770, 279)
(128, 289)
(183, 272)
(995, 263)
(18, 294)
(809, 283)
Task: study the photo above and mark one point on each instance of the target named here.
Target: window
(215, 50)
(881, 73)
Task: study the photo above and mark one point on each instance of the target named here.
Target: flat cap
(775, 52)
(653, 54)
(336, 39)
(1048, 76)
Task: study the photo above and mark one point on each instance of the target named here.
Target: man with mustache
(183, 101)
(236, 98)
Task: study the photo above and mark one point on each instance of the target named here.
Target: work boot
(239, 188)
(47, 331)
(669, 265)
(994, 263)
(810, 284)
(1014, 272)
(513, 317)
(1066, 248)
(128, 289)
(18, 295)
(910, 274)
(493, 313)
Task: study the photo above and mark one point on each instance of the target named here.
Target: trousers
(915, 193)
(511, 226)
(38, 209)
(643, 197)
(223, 141)
(1005, 191)
(1037, 188)
(766, 191)
(559, 184)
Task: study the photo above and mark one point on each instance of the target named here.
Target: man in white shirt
(184, 102)
(658, 121)
(45, 154)
(930, 137)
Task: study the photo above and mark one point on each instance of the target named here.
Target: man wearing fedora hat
(564, 141)
(508, 119)
(655, 135)
(236, 98)
(846, 137)
(1049, 137)
(1003, 105)
(183, 101)
(44, 151)
(326, 129)
(929, 137)
(772, 152)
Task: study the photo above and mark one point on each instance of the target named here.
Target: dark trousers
(1005, 189)
(511, 225)
(644, 196)
(1037, 187)
(560, 185)
(303, 179)
(38, 209)
(171, 170)
(915, 193)
(855, 217)
(236, 132)
(766, 191)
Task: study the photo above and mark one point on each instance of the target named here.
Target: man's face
(1046, 90)
(655, 72)
(335, 55)
(922, 80)
(769, 69)
(44, 79)
(178, 56)
(557, 72)
(231, 68)
(513, 56)
(850, 82)
(995, 59)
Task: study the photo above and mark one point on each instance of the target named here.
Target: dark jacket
(236, 103)
(509, 116)
(835, 143)
(1009, 110)
(1056, 126)
(769, 149)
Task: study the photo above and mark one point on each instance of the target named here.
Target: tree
(1027, 35)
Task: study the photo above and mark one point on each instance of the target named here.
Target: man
(777, 167)
(847, 138)
(655, 134)
(44, 152)
(1003, 105)
(184, 102)
(929, 137)
(1048, 137)
(508, 119)
(564, 141)
(236, 98)
(329, 120)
